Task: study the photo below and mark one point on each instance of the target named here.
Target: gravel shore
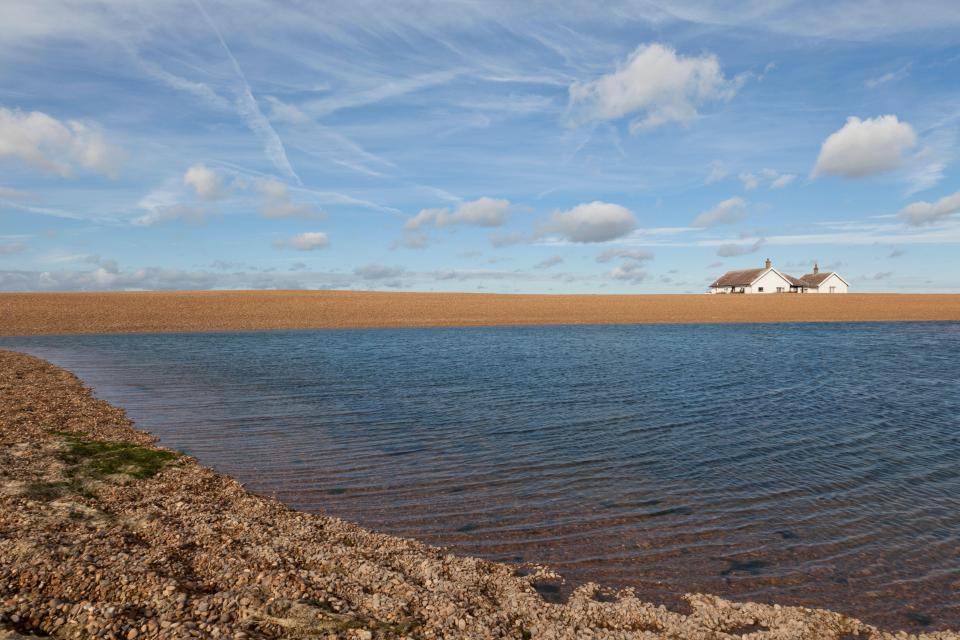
(194, 311)
(105, 535)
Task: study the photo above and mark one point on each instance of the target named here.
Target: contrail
(250, 111)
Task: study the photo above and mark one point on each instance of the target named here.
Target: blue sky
(637, 147)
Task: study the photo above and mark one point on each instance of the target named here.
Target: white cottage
(822, 282)
(770, 280)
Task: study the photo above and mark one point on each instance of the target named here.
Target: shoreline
(24, 314)
(134, 541)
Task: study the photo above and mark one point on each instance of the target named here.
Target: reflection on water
(804, 464)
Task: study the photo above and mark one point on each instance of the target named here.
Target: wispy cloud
(482, 212)
(546, 263)
(729, 211)
(636, 255)
(924, 213)
(731, 249)
(166, 213)
(718, 171)
(207, 183)
(308, 241)
(890, 76)
(249, 110)
(278, 204)
(380, 89)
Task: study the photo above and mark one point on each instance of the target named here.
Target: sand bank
(103, 534)
(141, 312)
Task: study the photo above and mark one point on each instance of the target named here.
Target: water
(804, 464)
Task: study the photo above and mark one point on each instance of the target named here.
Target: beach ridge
(205, 311)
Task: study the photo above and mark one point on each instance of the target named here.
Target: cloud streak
(308, 241)
(483, 212)
(924, 213)
(249, 110)
(729, 211)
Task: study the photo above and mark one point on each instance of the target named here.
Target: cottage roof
(743, 278)
(815, 279)
(746, 277)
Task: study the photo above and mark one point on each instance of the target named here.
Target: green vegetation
(96, 458)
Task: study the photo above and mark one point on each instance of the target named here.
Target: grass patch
(97, 458)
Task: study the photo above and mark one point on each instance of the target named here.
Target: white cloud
(873, 83)
(750, 181)
(637, 255)
(718, 171)
(482, 212)
(783, 180)
(56, 147)
(630, 268)
(283, 112)
(629, 272)
(552, 261)
(735, 249)
(865, 147)
(165, 213)
(773, 179)
(156, 278)
(727, 212)
(206, 182)
(277, 202)
(378, 272)
(921, 213)
(309, 241)
(926, 167)
(593, 222)
(412, 240)
(655, 82)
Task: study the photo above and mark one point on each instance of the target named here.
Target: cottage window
(760, 289)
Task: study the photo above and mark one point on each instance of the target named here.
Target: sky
(544, 147)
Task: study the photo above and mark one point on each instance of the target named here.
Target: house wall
(769, 283)
(833, 281)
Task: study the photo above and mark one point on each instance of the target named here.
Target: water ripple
(809, 464)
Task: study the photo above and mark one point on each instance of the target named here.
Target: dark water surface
(804, 464)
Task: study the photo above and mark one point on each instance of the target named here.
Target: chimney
(816, 268)
(768, 264)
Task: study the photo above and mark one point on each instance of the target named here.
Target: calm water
(807, 464)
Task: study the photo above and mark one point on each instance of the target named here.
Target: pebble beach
(103, 534)
(203, 311)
